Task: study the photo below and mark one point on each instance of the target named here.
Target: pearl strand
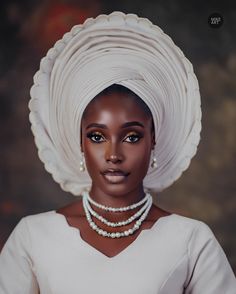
(120, 223)
(116, 234)
(115, 209)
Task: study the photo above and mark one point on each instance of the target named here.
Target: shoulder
(185, 230)
(36, 220)
(29, 231)
(199, 239)
(187, 224)
(178, 222)
(42, 220)
(37, 227)
(39, 218)
(198, 230)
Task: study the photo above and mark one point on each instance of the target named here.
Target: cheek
(138, 158)
(94, 158)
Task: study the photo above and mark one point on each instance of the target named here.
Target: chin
(116, 190)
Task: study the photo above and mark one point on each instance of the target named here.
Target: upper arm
(16, 274)
(209, 269)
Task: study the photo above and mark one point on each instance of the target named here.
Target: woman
(115, 111)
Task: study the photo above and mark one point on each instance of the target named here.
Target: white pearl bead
(126, 233)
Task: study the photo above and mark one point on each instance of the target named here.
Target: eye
(95, 137)
(132, 138)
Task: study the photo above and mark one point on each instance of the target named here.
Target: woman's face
(117, 141)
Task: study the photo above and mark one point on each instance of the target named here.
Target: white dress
(177, 255)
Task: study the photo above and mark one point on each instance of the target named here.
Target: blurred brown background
(206, 191)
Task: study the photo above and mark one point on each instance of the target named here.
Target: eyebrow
(125, 125)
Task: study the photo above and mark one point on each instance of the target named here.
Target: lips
(115, 175)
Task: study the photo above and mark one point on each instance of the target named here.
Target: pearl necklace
(116, 224)
(126, 233)
(116, 209)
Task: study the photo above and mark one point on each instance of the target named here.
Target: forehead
(118, 105)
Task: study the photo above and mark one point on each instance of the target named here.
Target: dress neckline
(132, 244)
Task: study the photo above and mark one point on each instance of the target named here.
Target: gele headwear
(115, 49)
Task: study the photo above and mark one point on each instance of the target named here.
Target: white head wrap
(115, 49)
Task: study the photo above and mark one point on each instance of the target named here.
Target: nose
(113, 154)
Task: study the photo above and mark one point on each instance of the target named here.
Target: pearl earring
(154, 162)
(82, 164)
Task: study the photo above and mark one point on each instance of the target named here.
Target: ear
(153, 140)
(81, 144)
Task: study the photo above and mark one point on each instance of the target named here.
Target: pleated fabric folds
(115, 49)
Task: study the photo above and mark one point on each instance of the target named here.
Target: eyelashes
(97, 137)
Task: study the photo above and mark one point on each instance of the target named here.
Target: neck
(116, 199)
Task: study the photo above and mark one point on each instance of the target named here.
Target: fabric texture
(111, 49)
(177, 255)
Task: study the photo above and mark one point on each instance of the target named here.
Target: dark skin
(112, 144)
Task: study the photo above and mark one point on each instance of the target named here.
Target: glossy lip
(114, 179)
(114, 176)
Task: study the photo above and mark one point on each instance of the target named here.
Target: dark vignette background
(206, 191)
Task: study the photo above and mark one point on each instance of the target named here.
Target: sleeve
(16, 274)
(209, 271)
